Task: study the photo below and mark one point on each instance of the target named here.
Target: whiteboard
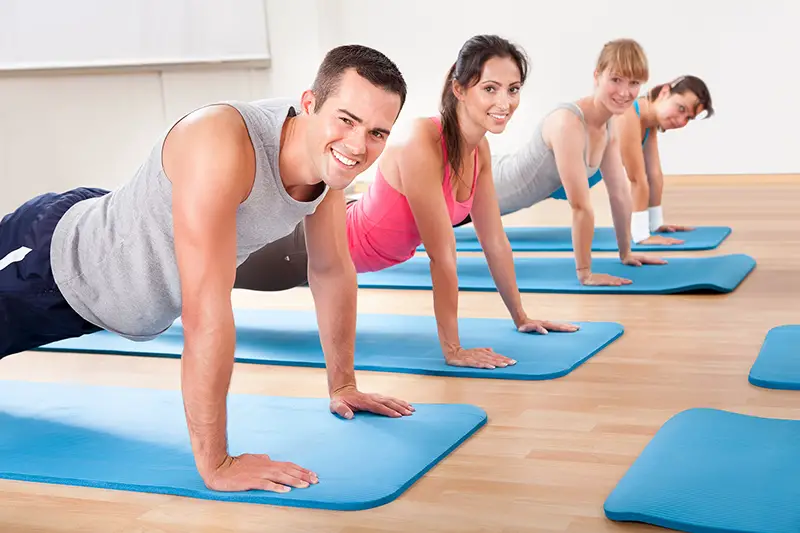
(103, 34)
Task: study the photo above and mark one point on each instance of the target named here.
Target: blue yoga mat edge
(603, 242)
(473, 419)
(233, 496)
(645, 496)
(744, 266)
(771, 384)
(601, 334)
(635, 517)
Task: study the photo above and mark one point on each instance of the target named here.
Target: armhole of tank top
(579, 112)
(475, 173)
(639, 114)
(445, 163)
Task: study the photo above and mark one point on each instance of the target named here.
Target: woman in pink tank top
(423, 187)
(437, 177)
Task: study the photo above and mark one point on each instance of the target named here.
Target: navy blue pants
(33, 311)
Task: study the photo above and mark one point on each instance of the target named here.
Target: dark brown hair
(687, 83)
(466, 71)
(369, 63)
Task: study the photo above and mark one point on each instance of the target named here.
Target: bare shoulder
(618, 126)
(422, 135)
(562, 126)
(484, 154)
(415, 151)
(211, 145)
(627, 123)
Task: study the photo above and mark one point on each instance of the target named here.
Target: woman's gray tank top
(530, 175)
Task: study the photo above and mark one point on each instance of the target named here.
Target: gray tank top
(530, 175)
(113, 257)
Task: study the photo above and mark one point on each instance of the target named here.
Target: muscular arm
(567, 138)
(492, 236)
(421, 165)
(333, 284)
(209, 160)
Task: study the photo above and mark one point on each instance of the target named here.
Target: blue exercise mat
(387, 343)
(721, 273)
(712, 471)
(136, 440)
(559, 239)
(778, 363)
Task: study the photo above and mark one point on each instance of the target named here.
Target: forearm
(207, 365)
(335, 299)
(582, 237)
(655, 190)
(500, 259)
(621, 217)
(640, 194)
(444, 277)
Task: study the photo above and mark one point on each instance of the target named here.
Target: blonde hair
(626, 58)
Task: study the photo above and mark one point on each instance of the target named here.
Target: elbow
(581, 207)
(443, 263)
(638, 180)
(497, 246)
(582, 214)
(331, 271)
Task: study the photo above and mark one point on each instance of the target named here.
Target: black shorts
(33, 311)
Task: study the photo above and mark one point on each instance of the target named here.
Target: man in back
(222, 182)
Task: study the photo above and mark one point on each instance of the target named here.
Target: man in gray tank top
(222, 182)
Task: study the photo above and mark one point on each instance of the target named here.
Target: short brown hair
(369, 63)
(626, 58)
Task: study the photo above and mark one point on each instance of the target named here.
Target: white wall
(60, 130)
(63, 130)
(743, 52)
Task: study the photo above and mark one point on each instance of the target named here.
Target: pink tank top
(381, 230)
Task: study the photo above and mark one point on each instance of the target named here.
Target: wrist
(656, 214)
(449, 349)
(340, 380)
(208, 463)
(640, 226)
(519, 317)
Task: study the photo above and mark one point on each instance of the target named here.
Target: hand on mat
(595, 279)
(661, 240)
(259, 472)
(639, 260)
(669, 228)
(478, 358)
(345, 402)
(543, 326)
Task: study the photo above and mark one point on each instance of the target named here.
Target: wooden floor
(552, 450)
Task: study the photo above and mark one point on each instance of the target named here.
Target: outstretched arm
(567, 136)
(494, 242)
(619, 194)
(210, 161)
(643, 168)
(656, 179)
(629, 131)
(421, 168)
(333, 284)
(620, 200)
